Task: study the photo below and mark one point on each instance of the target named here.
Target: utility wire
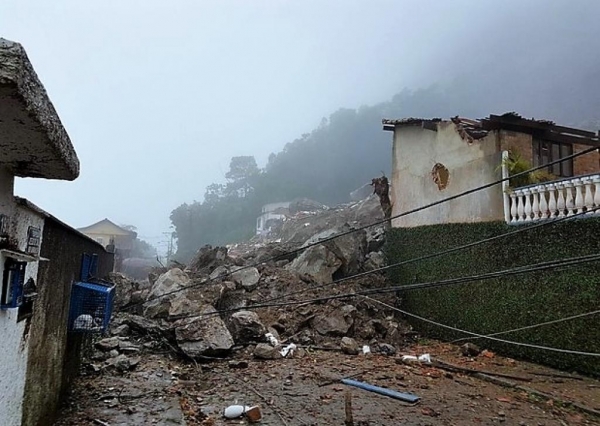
(529, 327)
(454, 281)
(434, 255)
(405, 213)
(528, 345)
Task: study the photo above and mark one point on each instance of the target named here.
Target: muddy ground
(163, 389)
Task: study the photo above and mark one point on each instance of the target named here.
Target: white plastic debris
(272, 340)
(288, 350)
(366, 349)
(235, 411)
(84, 322)
(425, 358)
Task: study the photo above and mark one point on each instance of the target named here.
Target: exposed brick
(585, 164)
(517, 142)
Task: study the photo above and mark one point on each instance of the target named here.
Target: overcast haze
(157, 96)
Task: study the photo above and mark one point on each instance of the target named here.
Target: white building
(271, 213)
(433, 159)
(33, 143)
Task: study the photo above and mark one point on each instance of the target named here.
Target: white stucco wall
(268, 214)
(470, 165)
(13, 367)
(274, 206)
(13, 356)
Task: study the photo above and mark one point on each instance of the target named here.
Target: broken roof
(470, 129)
(34, 142)
(476, 129)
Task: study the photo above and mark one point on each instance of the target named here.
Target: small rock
(266, 351)
(349, 346)
(238, 364)
(300, 353)
(470, 349)
(122, 330)
(386, 349)
(99, 356)
(127, 346)
(108, 344)
(123, 363)
(114, 353)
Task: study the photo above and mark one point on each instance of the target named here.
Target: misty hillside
(350, 148)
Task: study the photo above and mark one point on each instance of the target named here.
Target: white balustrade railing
(552, 200)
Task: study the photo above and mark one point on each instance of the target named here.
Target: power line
(528, 345)
(529, 327)
(434, 255)
(454, 281)
(406, 213)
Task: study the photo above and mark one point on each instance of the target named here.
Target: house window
(33, 240)
(545, 152)
(13, 279)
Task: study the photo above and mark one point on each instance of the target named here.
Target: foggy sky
(157, 96)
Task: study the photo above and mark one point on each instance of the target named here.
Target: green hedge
(511, 302)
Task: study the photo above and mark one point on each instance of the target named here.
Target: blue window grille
(12, 284)
(91, 303)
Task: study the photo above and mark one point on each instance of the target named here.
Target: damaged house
(40, 256)
(270, 214)
(475, 234)
(435, 159)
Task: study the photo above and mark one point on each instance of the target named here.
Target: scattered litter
(425, 358)
(272, 340)
(288, 350)
(253, 414)
(409, 359)
(235, 411)
(366, 349)
(382, 391)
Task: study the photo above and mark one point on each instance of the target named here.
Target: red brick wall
(587, 163)
(522, 143)
(517, 142)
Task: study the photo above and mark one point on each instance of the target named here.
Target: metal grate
(91, 303)
(91, 307)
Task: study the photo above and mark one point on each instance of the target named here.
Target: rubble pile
(249, 296)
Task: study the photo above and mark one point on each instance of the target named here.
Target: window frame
(553, 152)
